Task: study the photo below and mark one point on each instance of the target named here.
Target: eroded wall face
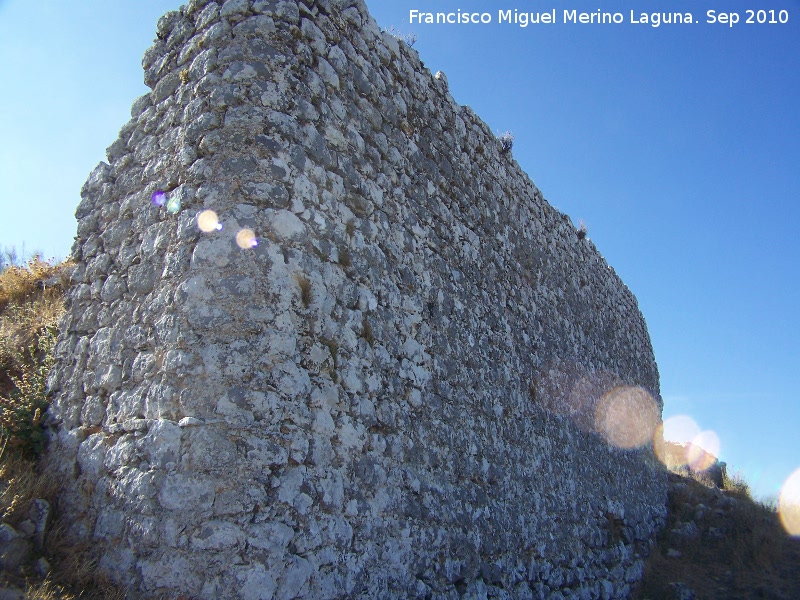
(388, 368)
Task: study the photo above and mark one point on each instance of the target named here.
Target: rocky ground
(720, 544)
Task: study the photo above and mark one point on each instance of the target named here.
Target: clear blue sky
(679, 146)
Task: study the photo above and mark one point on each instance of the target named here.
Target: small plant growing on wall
(344, 257)
(409, 39)
(581, 231)
(616, 527)
(305, 290)
(506, 142)
(366, 331)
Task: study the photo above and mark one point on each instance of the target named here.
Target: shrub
(22, 410)
(506, 142)
(9, 257)
(409, 39)
(735, 483)
(19, 283)
(30, 305)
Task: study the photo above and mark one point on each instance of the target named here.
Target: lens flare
(173, 205)
(246, 239)
(208, 221)
(581, 402)
(665, 451)
(670, 441)
(789, 504)
(159, 198)
(680, 428)
(627, 417)
(703, 450)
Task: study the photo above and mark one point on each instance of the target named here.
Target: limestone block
(15, 549)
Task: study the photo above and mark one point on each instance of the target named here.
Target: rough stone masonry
(327, 340)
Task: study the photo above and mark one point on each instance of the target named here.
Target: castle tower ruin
(327, 340)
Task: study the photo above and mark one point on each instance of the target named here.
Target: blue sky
(678, 146)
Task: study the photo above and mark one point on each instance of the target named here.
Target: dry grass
(736, 484)
(30, 306)
(20, 283)
(305, 290)
(20, 485)
(738, 550)
(345, 260)
(75, 570)
(366, 331)
(31, 303)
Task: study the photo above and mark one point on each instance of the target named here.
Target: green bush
(735, 483)
(22, 409)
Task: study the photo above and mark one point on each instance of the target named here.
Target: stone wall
(384, 367)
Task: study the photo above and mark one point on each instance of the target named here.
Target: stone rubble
(22, 544)
(380, 377)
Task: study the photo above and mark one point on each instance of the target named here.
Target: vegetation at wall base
(719, 543)
(23, 409)
(31, 303)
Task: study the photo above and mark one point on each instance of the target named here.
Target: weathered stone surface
(15, 548)
(388, 368)
(11, 593)
(40, 514)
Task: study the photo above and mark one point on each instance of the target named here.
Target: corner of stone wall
(388, 369)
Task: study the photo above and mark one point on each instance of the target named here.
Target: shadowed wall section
(383, 366)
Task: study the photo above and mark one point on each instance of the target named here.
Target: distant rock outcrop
(687, 457)
(327, 340)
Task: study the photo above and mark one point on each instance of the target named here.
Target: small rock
(606, 589)
(716, 473)
(672, 553)
(700, 511)
(681, 591)
(14, 548)
(687, 530)
(11, 593)
(27, 528)
(40, 514)
(726, 502)
(42, 567)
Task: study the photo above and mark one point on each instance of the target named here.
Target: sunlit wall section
(327, 340)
